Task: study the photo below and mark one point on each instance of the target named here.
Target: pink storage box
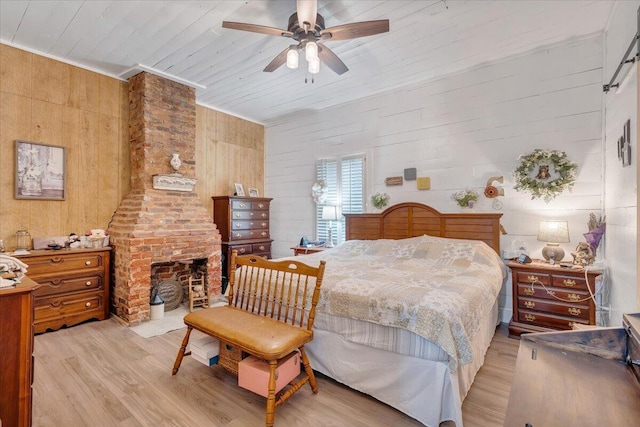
(253, 373)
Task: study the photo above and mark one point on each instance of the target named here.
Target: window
(344, 177)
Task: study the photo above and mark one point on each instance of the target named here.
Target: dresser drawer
(262, 248)
(240, 204)
(548, 320)
(58, 286)
(249, 225)
(54, 265)
(250, 215)
(55, 312)
(566, 295)
(249, 234)
(532, 277)
(570, 282)
(559, 308)
(242, 249)
(259, 205)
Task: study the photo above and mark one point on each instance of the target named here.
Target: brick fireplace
(154, 225)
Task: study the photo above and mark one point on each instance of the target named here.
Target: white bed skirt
(423, 389)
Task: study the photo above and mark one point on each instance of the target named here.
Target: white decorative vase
(175, 161)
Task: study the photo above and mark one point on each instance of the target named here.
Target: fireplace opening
(170, 280)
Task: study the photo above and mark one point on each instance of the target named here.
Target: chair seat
(266, 338)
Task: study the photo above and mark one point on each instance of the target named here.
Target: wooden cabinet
(243, 223)
(16, 350)
(74, 286)
(549, 297)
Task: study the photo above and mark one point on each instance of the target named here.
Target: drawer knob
(529, 317)
(571, 324)
(261, 248)
(251, 213)
(573, 297)
(251, 233)
(552, 293)
(88, 304)
(87, 263)
(574, 311)
(529, 291)
(569, 282)
(238, 224)
(529, 304)
(251, 224)
(88, 283)
(263, 234)
(242, 204)
(238, 235)
(56, 259)
(237, 214)
(264, 215)
(242, 250)
(261, 205)
(264, 224)
(532, 279)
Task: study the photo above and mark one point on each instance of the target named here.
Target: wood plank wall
(621, 195)
(459, 130)
(43, 100)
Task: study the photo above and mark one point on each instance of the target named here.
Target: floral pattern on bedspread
(437, 288)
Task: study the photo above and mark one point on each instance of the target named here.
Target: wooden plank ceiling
(427, 39)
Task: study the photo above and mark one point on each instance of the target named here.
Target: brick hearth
(159, 226)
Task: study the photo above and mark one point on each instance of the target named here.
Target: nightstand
(303, 250)
(550, 297)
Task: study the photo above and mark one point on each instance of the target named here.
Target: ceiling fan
(306, 27)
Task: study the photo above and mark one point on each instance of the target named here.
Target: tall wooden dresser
(244, 226)
(16, 353)
(74, 286)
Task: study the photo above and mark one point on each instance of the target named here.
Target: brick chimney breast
(152, 225)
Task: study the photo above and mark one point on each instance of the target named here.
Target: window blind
(345, 182)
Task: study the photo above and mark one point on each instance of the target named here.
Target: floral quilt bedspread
(437, 288)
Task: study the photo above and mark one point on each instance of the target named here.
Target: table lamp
(554, 233)
(329, 213)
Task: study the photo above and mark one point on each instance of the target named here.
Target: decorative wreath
(545, 174)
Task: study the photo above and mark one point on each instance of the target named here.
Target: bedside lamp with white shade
(329, 213)
(554, 233)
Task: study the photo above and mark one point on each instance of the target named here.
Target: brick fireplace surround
(157, 226)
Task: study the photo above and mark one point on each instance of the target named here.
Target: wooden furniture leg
(271, 396)
(183, 348)
(308, 370)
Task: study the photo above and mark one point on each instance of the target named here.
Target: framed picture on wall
(253, 192)
(40, 171)
(239, 190)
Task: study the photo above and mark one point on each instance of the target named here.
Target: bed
(409, 306)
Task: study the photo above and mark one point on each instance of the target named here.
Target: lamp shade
(311, 51)
(553, 232)
(329, 213)
(314, 66)
(292, 58)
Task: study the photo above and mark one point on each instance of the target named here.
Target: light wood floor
(103, 374)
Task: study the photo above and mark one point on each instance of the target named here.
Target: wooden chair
(271, 310)
(198, 293)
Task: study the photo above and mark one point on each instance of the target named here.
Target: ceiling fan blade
(277, 61)
(307, 11)
(256, 29)
(356, 29)
(332, 61)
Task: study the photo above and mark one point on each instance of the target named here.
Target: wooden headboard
(415, 219)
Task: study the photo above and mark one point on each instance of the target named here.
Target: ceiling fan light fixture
(311, 51)
(292, 58)
(314, 66)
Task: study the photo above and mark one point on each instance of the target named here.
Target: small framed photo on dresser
(239, 190)
(253, 192)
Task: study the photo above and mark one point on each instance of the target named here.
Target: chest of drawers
(243, 223)
(550, 298)
(74, 286)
